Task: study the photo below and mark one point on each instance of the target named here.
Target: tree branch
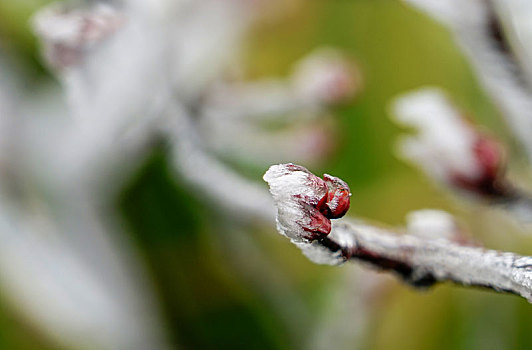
(456, 153)
(476, 28)
(420, 260)
(424, 262)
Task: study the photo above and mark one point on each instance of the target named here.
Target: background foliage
(208, 298)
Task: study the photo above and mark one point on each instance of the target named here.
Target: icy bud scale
(306, 203)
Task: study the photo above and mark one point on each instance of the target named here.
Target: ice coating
(326, 77)
(296, 193)
(452, 11)
(431, 223)
(67, 32)
(445, 143)
(447, 147)
(305, 203)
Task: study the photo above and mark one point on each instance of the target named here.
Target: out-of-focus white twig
(211, 177)
(75, 285)
(71, 33)
(348, 311)
(325, 77)
(478, 30)
(234, 115)
(454, 152)
(445, 144)
(61, 263)
(512, 21)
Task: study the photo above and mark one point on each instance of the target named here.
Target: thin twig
(477, 29)
(424, 262)
(420, 260)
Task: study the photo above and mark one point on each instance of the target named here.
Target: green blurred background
(208, 270)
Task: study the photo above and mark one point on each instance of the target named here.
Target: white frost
(430, 223)
(289, 184)
(325, 76)
(444, 144)
(470, 22)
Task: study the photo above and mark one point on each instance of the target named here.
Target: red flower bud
(305, 202)
(489, 156)
(337, 198)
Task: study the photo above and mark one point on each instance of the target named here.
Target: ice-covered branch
(234, 114)
(305, 207)
(62, 264)
(479, 30)
(322, 78)
(70, 32)
(207, 174)
(452, 151)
